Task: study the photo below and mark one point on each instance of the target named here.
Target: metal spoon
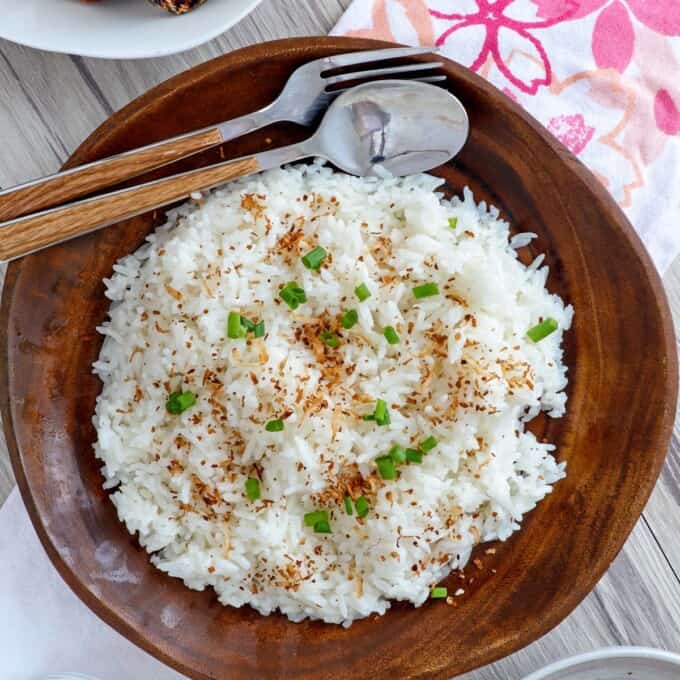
(399, 126)
(393, 126)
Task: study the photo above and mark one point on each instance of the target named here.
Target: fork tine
(427, 79)
(352, 58)
(430, 79)
(378, 72)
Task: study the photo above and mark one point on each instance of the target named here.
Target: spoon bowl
(404, 127)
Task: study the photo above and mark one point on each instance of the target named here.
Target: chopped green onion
(397, 454)
(429, 444)
(311, 518)
(413, 456)
(274, 425)
(386, 467)
(426, 290)
(239, 326)
(542, 330)
(247, 324)
(362, 292)
(349, 318)
(235, 327)
(382, 415)
(252, 489)
(453, 222)
(293, 295)
(179, 401)
(314, 258)
(439, 593)
(330, 340)
(348, 505)
(362, 506)
(380, 409)
(322, 527)
(391, 335)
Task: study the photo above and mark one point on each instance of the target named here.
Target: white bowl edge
(646, 664)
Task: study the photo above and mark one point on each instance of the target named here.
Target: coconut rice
(463, 372)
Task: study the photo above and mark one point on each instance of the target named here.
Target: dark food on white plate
(175, 6)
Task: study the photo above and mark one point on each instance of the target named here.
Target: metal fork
(307, 92)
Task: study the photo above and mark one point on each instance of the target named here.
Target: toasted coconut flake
(173, 292)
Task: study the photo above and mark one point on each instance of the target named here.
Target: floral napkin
(602, 75)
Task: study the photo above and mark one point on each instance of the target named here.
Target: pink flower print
(666, 113)
(549, 9)
(413, 28)
(662, 16)
(655, 116)
(613, 38)
(572, 131)
(491, 27)
(605, 102)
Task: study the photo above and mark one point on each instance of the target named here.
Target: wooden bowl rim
(268, 50)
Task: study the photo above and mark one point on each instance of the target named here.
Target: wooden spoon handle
(28, 234)
(65, 186)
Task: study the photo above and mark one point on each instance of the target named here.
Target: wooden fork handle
(65, 186)
(28, 234)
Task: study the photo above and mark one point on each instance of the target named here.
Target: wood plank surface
(51, 102)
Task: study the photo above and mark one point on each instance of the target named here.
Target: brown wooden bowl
(622, 394)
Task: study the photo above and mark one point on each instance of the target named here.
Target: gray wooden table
(49, 103)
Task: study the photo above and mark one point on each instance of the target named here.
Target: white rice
(464, 372)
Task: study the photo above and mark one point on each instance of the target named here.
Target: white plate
(115, 29)
(614, 663)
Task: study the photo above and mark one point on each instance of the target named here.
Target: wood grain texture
(31, 233)
(662, 513)
(614, 455)
(63, 187)
(633, 604)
